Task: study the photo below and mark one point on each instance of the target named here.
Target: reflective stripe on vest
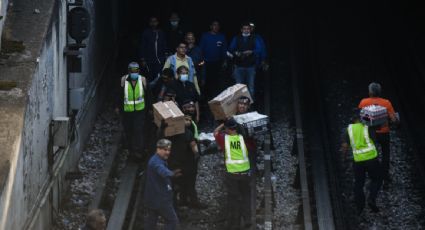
(236, 154)
(134, 98)
(195, 130)
(191, 68)
(363, 147)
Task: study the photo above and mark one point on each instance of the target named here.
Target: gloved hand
(177, 172)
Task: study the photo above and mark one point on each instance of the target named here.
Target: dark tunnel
(330, 29)
(317, 42)
(380, 40)
(62, 100)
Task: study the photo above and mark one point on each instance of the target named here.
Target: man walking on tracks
(383, 133)
(361, 139)
(238, 175)
(134, 106)
(158, 196)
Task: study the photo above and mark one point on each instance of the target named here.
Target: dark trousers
(383, 140)
(184, 185)
(372, 169)
(238, 200)
(155, 68)
(214, 80)
(134, 128)
(190, 172)
(167, 212)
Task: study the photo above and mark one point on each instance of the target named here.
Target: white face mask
(174, 23)
(184, 77)
(246, 34)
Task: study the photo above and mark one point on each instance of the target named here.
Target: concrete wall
(31, 192)
(3, 8)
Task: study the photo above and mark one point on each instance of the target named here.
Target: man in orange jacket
(382, 133)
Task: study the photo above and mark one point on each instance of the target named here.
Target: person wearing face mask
(152, 49)
(134, 105)
(244, 48)
(181, 59)
(174, 32)
(195, 52)
(185, 89)
(159, 87)
(189, 161)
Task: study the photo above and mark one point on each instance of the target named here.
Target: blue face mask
(134, 76)
(184, 77)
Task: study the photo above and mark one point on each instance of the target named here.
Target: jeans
(245, 75)
(167, 212)
(154, 68)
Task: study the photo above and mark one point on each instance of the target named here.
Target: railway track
(128, 208)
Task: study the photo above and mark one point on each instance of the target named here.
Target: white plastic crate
(252, 123)
(374, 115)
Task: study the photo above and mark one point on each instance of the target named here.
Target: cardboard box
(224, 105)
(171, 114)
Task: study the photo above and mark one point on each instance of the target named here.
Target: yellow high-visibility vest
(363, 147)
(134, 98)
(236, 154)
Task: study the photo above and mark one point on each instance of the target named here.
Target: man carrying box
(238, 174)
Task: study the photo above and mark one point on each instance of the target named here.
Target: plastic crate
(374, 115)
(252, 127)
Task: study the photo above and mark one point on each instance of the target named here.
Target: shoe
(372, 206)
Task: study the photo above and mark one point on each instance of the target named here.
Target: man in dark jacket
(153, 46)
(195, 52)
(185, 89)
(214, 46)
(244, 49)
(174, 32)
(158, 196)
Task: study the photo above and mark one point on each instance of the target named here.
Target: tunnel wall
(32, 193)
(3, 9)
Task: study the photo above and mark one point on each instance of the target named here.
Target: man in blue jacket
(153, 47)
(158, 196)
(214, 46)
(262, 51)
(245, 48)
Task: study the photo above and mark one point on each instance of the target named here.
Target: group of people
(171, 174)
(172, 67)
(176, 45)
(363, 139)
